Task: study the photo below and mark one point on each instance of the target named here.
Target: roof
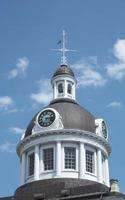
(57, 188)
(73, 116)
(64, 69)
(64, 189)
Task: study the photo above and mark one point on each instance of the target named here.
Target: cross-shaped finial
(63, 50)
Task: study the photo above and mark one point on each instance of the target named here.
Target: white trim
(64, 79)
(57, 123)
(107, 173)
(36, 164)
(58, 159)
(103, 169)
(63, 135)
(99, 129)
(23, 168)
(99, 167)
(82, 160)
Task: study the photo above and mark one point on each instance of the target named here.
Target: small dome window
(69, 89)
(60, 88)
(31, 158)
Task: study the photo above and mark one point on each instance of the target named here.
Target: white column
(36, 166)
(58, 159)
(65, 88)
(107, 173)
(99, 166)
(54, 90)
(81, 160)
(73, 90)
(23, 168)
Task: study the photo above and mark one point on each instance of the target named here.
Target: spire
(63, 50)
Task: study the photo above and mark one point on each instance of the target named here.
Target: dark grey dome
(73, 116)
(63, 69)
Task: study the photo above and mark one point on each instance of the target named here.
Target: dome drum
(79, 145)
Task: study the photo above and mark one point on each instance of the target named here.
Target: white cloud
(117, 70)
(5, 102)
(13, 73)
(17, 130)
(115, 104)
(119, 50)
(88, 76)
(14, 110)
(44, 94)
(20, 69)
(8, 147)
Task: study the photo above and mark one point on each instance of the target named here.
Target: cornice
(86, 134)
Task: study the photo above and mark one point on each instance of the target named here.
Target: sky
(28, 30)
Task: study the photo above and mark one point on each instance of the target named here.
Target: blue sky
(28, 30)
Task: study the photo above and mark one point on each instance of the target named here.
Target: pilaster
(58, 159)
(107, 172)
(36, 169)
(23, 168)
(99, 166)
(81, 160)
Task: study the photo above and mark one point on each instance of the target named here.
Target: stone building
(64, 151)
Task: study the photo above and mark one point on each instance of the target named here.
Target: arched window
(69, 89)
(60, 88)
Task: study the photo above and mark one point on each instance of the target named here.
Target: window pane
(60, 88)
(69, 89)
(48, 159)
(70, 158)
(89, 161)
(31, 164)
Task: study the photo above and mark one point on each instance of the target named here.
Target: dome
(64, 69)
(73, 116)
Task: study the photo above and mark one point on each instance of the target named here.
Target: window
(89, 161)
(48, 155)
(60, 88)
(69, 89)
(31, 164)
(70, 157)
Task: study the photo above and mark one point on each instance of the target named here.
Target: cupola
(63, 83)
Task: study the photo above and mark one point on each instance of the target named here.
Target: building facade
(64, 151)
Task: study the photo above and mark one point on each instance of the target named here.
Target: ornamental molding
(63, 77)
(57, 124)
(65, 132)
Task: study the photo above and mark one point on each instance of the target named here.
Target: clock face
(104, 130)
(46, 118)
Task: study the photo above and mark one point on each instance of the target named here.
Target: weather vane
(63, 50)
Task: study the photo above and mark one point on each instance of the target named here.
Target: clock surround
(46, 118)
